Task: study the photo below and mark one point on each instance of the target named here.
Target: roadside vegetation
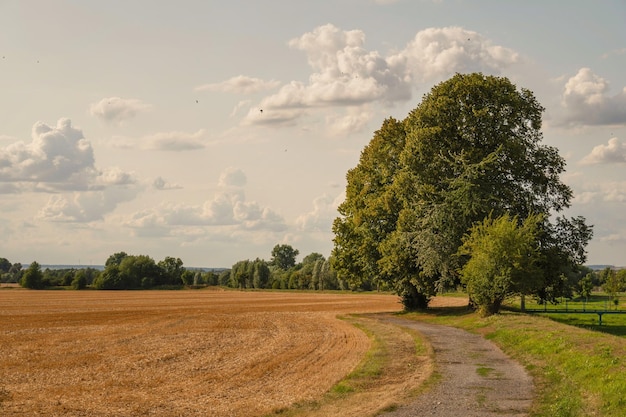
(577, 372)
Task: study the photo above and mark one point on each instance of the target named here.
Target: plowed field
(174, 353)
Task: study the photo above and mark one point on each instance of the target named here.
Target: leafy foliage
(284, 256)
(471, 149)
(32, 277)
(503, 260)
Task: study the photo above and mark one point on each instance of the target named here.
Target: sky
(214, 130)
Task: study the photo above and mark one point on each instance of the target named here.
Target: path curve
(477, 378)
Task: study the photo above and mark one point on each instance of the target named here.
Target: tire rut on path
(477, 378)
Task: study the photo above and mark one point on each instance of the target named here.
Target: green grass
(597, 301)
(577, 371)
(484, 371)
(614, 324)
(369, 369)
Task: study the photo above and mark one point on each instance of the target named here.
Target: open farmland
(175, 353)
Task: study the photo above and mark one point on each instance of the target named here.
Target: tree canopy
(503, 260)
(471, 149)
(284, 256)
(32, 277)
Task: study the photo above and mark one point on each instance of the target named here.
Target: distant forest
(124, 271)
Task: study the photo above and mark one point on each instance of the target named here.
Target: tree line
(123, 271)
(314, 273)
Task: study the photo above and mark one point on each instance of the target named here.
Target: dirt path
(476, 378)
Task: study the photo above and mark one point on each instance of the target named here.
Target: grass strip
(577, 372)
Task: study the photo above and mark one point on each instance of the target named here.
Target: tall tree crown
(471, 149)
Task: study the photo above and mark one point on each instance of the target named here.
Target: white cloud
(586, 101)
(232, 177)
(60, 159)
(117, 109)
(225, 209)
(354, 120)
(115, 176)
(161, 184)
(176, 141)
(321, 217)
(436, 53)
(240, 105)
(613, 152)
(608, 192)
(57, 158)
(240, 84)
(272, 116)
(228, 208)
(347, 74)
(87, 206)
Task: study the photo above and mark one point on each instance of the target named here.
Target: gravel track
(477, 378)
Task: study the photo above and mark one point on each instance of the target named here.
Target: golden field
(175, 353)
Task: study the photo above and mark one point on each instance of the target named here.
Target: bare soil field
(175, 353)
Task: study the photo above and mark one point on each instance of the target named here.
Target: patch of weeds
(481, 399)
(342, 388)
(484, 371)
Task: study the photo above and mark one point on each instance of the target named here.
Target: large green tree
(471, 149)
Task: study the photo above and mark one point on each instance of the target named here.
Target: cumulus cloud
(57, 158)
(228, 208)
(345, 73)
(354, 120)
(435, 53)
(115, 176)
(586, 101)
(321, 217)
(161, 184)
(613, 152)
(88, 206)
(232, 177)
(117, 109)
(240, 84)
(61, 161)
(225, 209)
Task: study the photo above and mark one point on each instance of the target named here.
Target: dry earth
(174, 353)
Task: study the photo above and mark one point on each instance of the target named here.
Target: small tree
(612, 284)
(502, 261)
(284, 256)
(5, 265)
(32, 277)
(585, 286)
